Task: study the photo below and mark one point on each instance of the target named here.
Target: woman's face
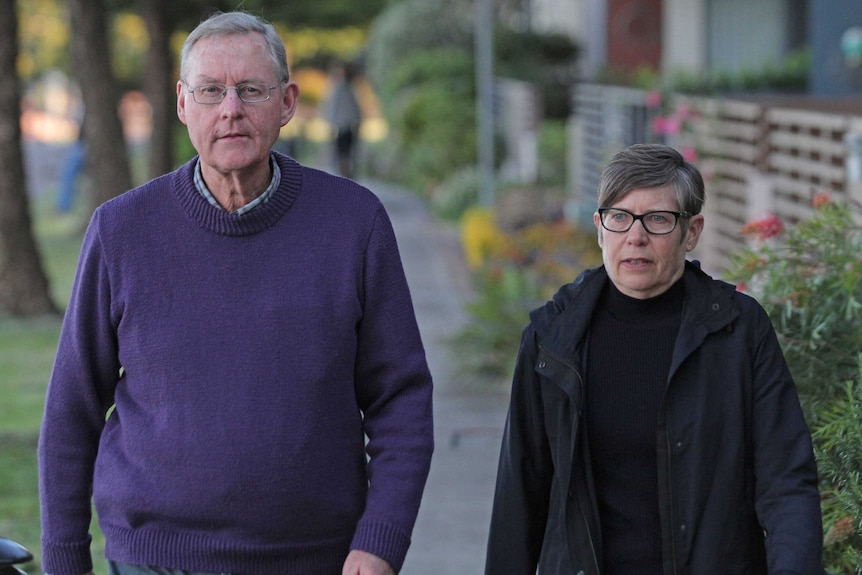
(644, 265)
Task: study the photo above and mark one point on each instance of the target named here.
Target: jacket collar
(562, 322)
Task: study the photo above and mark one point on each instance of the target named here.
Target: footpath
(452, 528)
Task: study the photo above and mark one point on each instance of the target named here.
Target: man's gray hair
(645, 166)
(227, 23)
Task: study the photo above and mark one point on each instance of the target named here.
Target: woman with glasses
(654, 428)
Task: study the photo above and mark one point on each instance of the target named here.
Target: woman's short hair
(645, 166)
(227, 23)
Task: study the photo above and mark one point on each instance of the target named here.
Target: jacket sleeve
(524, 475)
(394, 391)
(787, 498)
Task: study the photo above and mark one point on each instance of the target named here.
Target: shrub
(839, 458)
(809, 278)
(456, 194)
(515, 270)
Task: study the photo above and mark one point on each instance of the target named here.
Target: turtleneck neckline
(627, 308)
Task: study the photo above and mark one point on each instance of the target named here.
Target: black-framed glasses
(248, 92)
(657, 223)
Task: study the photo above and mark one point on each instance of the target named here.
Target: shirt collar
(258, 201)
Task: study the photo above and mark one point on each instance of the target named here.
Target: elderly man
(240, 384)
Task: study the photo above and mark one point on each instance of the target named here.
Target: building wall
(684, 37)
(560, 16)
(831, 76)
(744, 35)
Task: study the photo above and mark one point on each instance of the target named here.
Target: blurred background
(497, 114)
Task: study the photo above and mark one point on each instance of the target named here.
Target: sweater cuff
(383, 540)
(66, 559)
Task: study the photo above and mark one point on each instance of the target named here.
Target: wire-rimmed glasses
(248, 92)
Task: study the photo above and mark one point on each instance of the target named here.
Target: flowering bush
(481, 238)
(763, 229)
(809, 278)
(673, 121)
(514, 270)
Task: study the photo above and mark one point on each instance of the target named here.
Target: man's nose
(232, 103)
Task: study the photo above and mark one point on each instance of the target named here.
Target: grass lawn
(27, 350)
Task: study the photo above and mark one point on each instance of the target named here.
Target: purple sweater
(249, 359)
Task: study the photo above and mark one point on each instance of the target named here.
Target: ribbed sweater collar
(224, 223)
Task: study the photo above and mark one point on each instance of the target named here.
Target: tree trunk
(107, 155)
(24, 287)
(160, 85)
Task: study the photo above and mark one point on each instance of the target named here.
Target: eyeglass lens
(617, 220)
(214, 93)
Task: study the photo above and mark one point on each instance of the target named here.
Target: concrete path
(451, 532)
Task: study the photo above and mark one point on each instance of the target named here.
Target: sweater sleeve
(394, 391)
(80, 393)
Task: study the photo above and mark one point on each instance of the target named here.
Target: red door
(634, 34)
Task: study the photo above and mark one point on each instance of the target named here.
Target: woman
(654, 428)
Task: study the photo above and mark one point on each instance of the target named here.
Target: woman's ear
(598, 222)
(695, 227)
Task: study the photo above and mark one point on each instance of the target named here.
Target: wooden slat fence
(758, 156)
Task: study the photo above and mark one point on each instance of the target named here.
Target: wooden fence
(759, 155)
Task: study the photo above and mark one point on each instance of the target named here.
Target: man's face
(644, 265)
(234, 136)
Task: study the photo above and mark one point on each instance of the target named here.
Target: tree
(162, 19)
(103, 131)
(159, 84)
(23, 284)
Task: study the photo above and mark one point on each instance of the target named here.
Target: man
(240, 383)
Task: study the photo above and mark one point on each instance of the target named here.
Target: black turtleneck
(630, 347)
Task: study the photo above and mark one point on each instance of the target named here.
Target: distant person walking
(344, 115)
(73, 165)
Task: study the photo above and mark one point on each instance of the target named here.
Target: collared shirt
(258, 201)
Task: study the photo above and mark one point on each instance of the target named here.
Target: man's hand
(362, 563)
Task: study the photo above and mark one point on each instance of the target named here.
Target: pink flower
(665, 125)
(764, 228)
(653, 99)
(741, 286)
(689, 154)
(683, 112)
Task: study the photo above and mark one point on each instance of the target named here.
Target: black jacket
(737, 479)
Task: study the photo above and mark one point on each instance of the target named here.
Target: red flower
(765, 228)
(820, 199)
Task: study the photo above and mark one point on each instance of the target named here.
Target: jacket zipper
(572, 451)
